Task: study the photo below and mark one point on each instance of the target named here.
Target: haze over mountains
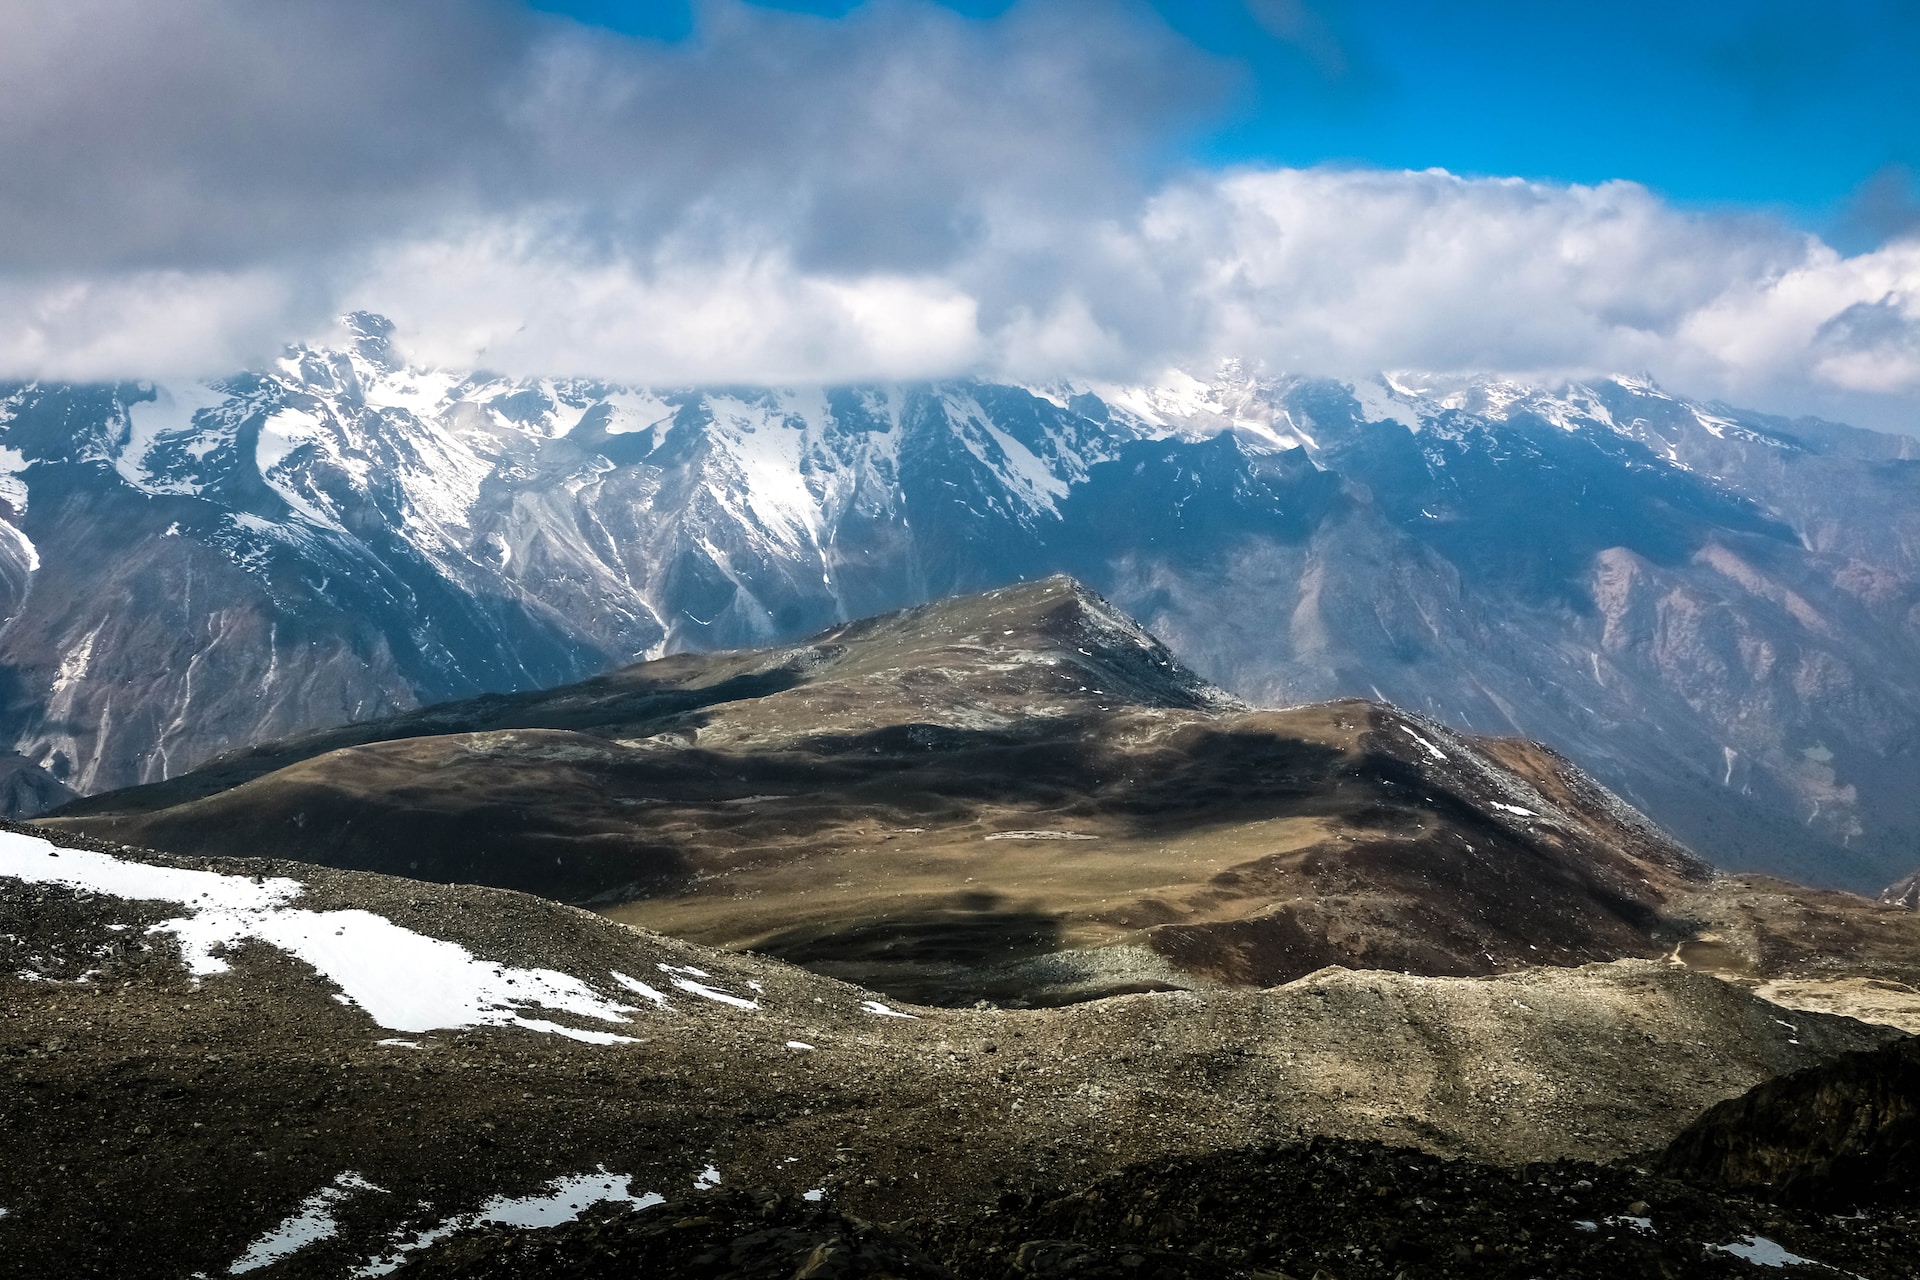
(1716, 613)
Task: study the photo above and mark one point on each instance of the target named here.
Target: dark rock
(1834, 1136)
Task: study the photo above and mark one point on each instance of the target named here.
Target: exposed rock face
(27, 790)
(1834, 1136)
(1019, 796)
(1717, 614)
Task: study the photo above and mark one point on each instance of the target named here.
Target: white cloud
(107, 325)
(1327, 271)
(902, 194)
(521, 300)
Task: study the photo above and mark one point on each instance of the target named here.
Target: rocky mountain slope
(239, 1066)
(1835, 1136)
(1716, 613)
(1017, 796)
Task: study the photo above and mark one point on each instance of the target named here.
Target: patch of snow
(564, 1201)
(636, 411)
(13, 490)
(1643, 385)
(280, 435)
(419, 391)
(1038, 835)
(1715, 424)
(798, 1044)
(1515, 809)
(880, 1010)
(37, 861)
(170, 413)
(1432, 750)
(640, 988)
(1382, 400)
(709, 993)
(403, 980)
(707, 1179)
(1025, 472)
(29, 554)
(1176, 398)
(766, 442)
(311, 1223)
(817, 1194)
(1763, 1252)
(573, 1033)
(395, 1042)
(701, 989)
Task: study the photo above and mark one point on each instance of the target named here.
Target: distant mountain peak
(371, 336)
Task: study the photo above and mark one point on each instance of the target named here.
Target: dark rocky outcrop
(1354, 1210)
(27, 790)
(1835, 1136)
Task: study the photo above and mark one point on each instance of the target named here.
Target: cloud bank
(903, 193)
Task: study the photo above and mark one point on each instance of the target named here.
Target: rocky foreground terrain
(229, 1066)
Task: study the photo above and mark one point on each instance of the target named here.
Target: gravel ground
(155, 1125)
(1328, 1209)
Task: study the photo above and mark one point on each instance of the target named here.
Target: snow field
(405, 981)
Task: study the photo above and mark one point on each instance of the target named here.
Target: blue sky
(1807, 110)
(826, 191)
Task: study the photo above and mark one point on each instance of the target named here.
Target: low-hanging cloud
(900, 194)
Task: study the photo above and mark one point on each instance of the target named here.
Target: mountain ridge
(913, 760)
(1715, 611)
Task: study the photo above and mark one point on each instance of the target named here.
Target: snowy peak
(372, 339)
(345, 535)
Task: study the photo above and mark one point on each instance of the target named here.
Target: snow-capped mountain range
(1716, 612)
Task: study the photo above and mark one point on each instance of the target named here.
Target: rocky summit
(1710, 611)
